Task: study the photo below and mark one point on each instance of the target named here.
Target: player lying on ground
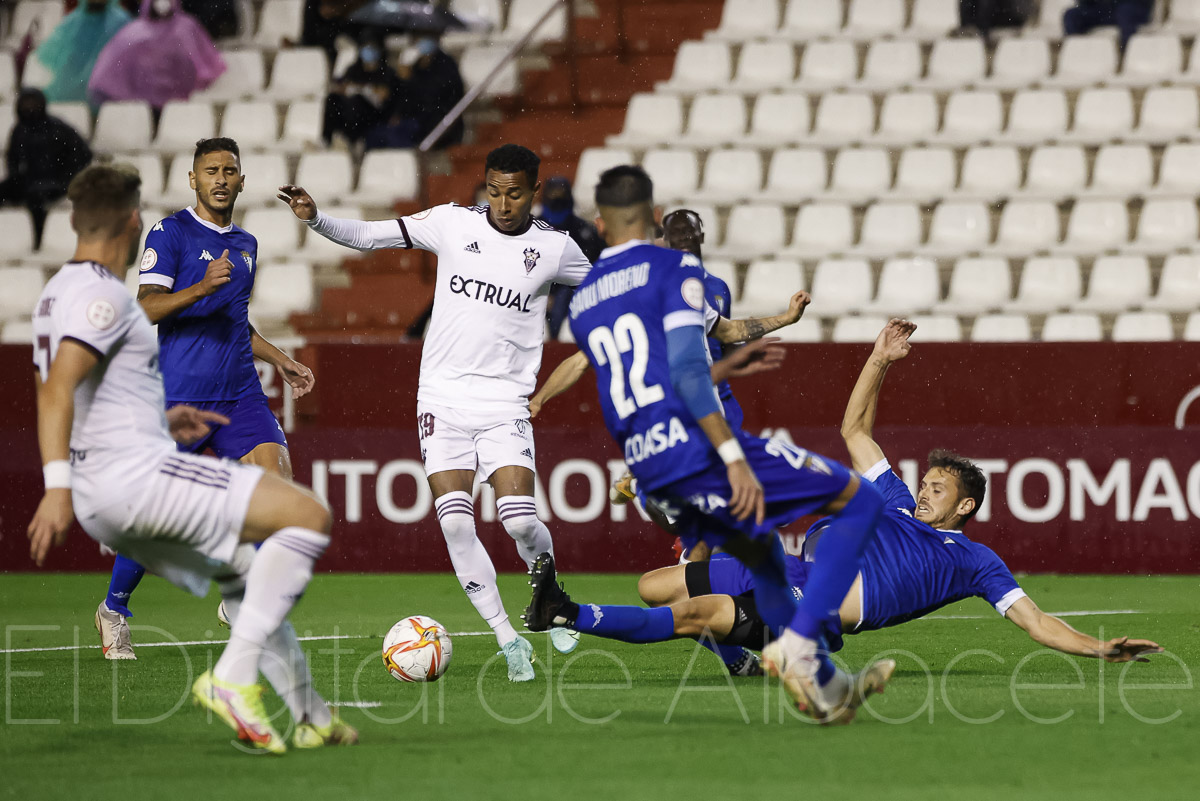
(639, 317)
(110, 460)
(919, 561)
(199, 294)
(479, 363)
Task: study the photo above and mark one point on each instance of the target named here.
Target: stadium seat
(890, 227)
(8, 118)
(959, 227)
(265, 173)
(754, 229)
(765, 65)
(1116, 283)
(955, 63)
(650, 119)
(748, 19)
(933, 19)
(1085, 61)
(717, 119)
(1020, 62)
(1151, 58)
(388, 176)
(858, 329)
(524, 14)
(252, 123)
(1179, 284)
(731, 175)
(1048, 283)
(1167, 223)
(277, 231)
(1056, 171)
(1001, 328)
(1072, 327)
(727, 271)
(990, 171)
(795, 174)
(478, 62)
(58, 239)
(281, 289)
(1190, 76)
(302, 125)
(45, 13)
(1103, 114)
(871, 19)
(1027, 225)
(936, 328)
(328, 176)
(891, 64)
(1179, 171)
(1143, 326)
(480, 16)
(1096, 225)
(1037, 114)
(822, 228)
(279, 20)
(1168, 112)
(861, 173)
(925, 173)
(182, 123)
(122, 126)
(150, 168)
(811, 19)
(840, 286)
(845, 117)
(908, 117)
(828, 64)
(1050, 17)
(77, 115)
(17, 332)
(972, 116)
(299, 73)
(807, 329)
(244, 77)
(779, 119)
(592, 162)
(1191, 329)
(768, 285)
(907, 285)
(1122, 170)
(701, 65)
(674, 172)
(177, 192)
(22, 286)
(977, 284)
(1184, 15)
(17, 242)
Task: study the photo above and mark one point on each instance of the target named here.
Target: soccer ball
(417, 649)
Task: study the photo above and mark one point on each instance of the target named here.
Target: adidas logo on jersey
(206, 256)
(527, 453)
(473, 248)
(472, 587)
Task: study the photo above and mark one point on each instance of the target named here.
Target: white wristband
(730, 451)
(57, 474)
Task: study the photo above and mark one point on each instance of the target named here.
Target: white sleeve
(573, 266)
(876, 470)
(711, 318)
(1010, 598)
(360, 234)
(425, 229)
(97, 316)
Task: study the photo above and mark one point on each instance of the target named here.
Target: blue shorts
(251, 423)
(795, 483)
(728, 576)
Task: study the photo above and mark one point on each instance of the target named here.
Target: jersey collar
(487, 212)
(207, 224)
(621, 248)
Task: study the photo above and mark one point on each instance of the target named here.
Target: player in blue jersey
(197, 275)
(639, 317)
(919, 561)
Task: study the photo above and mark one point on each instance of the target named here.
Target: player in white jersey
(109, 459)
(496, 265)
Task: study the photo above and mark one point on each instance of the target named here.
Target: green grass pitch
(976, 710)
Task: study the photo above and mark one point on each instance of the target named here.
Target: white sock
(276, 579)
(518, 514)
(472, 565)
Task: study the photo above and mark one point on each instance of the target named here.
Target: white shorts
(465, 440)
(178, 515)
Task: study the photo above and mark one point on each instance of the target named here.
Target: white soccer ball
(417, 649)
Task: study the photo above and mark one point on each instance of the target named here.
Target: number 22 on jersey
(628, 335)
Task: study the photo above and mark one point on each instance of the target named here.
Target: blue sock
(126, 575)
(626, 623)
(773, 594)
(837, 561)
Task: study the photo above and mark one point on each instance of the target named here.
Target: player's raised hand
(757, 356)
(301, 203)
(797, 305)
(747, 497)
(1123, 649)
(217, 275)
(50, 523)
(188, 424)
(299, 377)
(892, 343)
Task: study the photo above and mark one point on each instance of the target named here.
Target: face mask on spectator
(369, 54)
(161, 8)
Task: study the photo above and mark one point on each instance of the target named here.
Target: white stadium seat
(77, 115)
(861, 172)
(1097, 225)
(1028, 225)
(523, 14)
(977, 284)
(1193, 67)
(925, 173)
(959, 227)
(933, 19)
(908, 117)
(327, 176)
(182, 123)
(1037, 114)
(907, 285)
(299, 73)
(1123, 170)
(727, 271)
(122, 126)
(1151, 58)
(796, 174)
(845, 117)
(265, 173)
(991, 171)
(478, 62)
(766, 64)
(1179, 284)
(732, 174)
(717, 119)
(674, 172)
(972, 116)
(277, 231)
(822, 228)
(1001, 328)
(807, 329)
(891, 64)
(811, 19)
(936, 328)
(1048, 283)
(1146, 326)
(279, 20)
(1103, 114)
(1116, 283)
(17, 242)
(652, 118)
(253, 124)
(1167, 223)
(768, 286)
(890, 227)
(46, 13)
(1168, 112)
(701, 65)
(1179, 171)
(592, 162)
(281, 289)
(244, 77)
(956, 63)
(58, 238)
(828, 64)
(870, 19)
(177, 192)
(840, 286)
(858, 329)
(1086, 61)
(302, 125)
(1191, 330)
(22, 286)
(1056, 170)
(150, 168)
(1019, 62)
(748, 19)
(780, 118)
(1072, 327)
(388, 176)
(754, 229)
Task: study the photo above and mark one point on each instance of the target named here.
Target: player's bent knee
(660, 587)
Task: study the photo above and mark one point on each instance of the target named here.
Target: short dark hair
(218, 144)
(624, 186)
(512, 159)
(972, 479)
(685, 213)
(102, 196)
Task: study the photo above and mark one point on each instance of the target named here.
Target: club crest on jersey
(531, 259)
(249, 261)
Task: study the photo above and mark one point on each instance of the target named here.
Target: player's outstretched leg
(115, 641)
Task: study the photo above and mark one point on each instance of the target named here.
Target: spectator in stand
(558, 209)
(1127, 15)
(165, 54)
(364, 97)
(979, 17)
(219, 17)
(325, 21)
(72, 48)
(44, 153)
(435, 87)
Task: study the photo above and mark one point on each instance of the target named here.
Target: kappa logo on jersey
(473, 248)
(206, 256)
(531, 259)
(249, 261)
(149, 259)
(490, 293)
(158, 226)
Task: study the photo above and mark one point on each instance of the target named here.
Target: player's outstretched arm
(299, 377)
(727, 330)
(1054, 633)
(357, 234)
(56, 410)
(565, 376)
(159, 302)
(858, 423)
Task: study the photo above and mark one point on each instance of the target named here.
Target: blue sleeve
(682, 293)
(160, 261)
(895, 492)
(994, 581)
